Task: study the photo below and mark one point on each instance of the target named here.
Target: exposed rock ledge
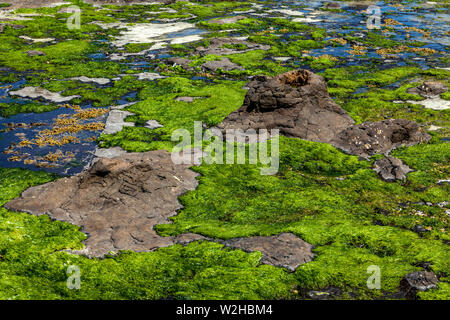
(298, 104)
(117, 201)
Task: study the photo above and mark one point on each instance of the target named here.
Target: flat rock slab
(284, 250)
(116, 121)
(391, 169)
(37, 92)
(117, 201)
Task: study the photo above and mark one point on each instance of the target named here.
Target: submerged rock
(117, 201)
(284, 250)
(297, 103)
(391, 169)
(380, 137)
(418, 281)
(37, 92)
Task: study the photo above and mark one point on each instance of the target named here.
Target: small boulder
(391, 169)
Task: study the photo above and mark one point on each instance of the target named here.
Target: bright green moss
(215, 101)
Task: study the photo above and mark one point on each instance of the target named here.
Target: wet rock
(227, 20)
(32, 53)
(429, 89)
(225, 64)
(218, 46)
(284, 250)
(37, 92)
(117, 201)
(391, 169)
(418, 281)
(297, 103)
(419, 229)
(380, 137)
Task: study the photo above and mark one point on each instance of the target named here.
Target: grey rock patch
(153, 124)
(40, 40)
(227, 20)
(32, 53)
(284, 250)
(184, 63)
(84, 79)
(225, 64)
(391, 169)
(116, 121)
(187, 99)
(37, 92)
(109, 153)
(148, 76)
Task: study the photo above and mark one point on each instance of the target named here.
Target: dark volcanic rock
(117, 201)
(429, 89)
(381, 137)
(297, 103)
(391, 169)
(225, 64)
(418, 281)
(285, 250)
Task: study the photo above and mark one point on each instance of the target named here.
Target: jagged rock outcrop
(297, 103)
(116, 201)
(391, 169)
(284, 250)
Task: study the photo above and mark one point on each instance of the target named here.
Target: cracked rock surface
(284, 250)
(380, 137)
(117, 201)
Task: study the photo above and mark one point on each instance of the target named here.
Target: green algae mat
(79, 77)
